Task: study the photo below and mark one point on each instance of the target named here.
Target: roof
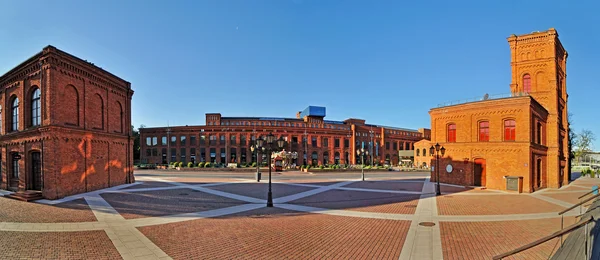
(485, 97)
(50, 47)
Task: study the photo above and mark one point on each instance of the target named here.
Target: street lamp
(256, 148)
(436, 150)
(371, 145)
(361, 152)
(268, 144)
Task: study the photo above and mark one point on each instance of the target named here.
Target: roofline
(15, 68)
(87, 62)
(48, 47)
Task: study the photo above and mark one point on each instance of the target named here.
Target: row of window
(484, 131)
(153, 141)
(35, 118)
(233, 156)
(284, 124)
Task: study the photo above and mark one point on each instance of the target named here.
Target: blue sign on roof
(313, 111)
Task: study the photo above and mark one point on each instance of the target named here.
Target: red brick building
(316, 141)
(64, 126)
(523, 134)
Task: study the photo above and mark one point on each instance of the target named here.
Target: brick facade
(483, 150)
(78, 140)
(328, 142)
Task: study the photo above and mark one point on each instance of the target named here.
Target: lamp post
(268, 144)
(253, 148)
(371, 145)
(361, 152)
(436, 150)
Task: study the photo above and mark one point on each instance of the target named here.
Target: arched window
(36, 117)
(15, 114)
(451, 133)
(509, 130)
(424, 152)
(526, 83)
(418, 152)
(484, 131)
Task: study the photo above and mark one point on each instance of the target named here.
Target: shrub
(254, 164)
(321, 167)
(207, 165)
(200, 164)
(307, 167)
(190, 165)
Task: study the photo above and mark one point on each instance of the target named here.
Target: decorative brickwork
(323, 141)
(79, 137)
(524, 134)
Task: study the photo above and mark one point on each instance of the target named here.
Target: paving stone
(30, 212)
(272, 233)
(165, 202)
(57, 245)
(362, 201)
(260, 190)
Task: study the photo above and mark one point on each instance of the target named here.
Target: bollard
(257, 175)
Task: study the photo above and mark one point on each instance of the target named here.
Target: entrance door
(14, 172)
(36, 171)
(479, 172)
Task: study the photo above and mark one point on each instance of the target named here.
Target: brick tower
(538, 62)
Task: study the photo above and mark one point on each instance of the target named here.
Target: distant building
(65, 126)
(316, 141)
(522, 134)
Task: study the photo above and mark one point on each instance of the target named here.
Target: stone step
(26, 196)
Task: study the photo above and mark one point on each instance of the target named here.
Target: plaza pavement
(200, 215)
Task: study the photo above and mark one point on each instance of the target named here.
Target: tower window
(451, 133)
(526, 83)
(484, 131)
(509, 130)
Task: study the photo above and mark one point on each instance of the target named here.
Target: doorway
(479, 172)
(14, 171)
(36, 171)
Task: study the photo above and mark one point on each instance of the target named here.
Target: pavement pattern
(204, 216)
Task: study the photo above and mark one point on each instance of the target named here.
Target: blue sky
(388, 62)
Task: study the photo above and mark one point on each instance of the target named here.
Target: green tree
(583, 142)
(136, 142)
(571, 141)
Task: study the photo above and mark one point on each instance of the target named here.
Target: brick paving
(149, 184)
(574, 188)
(493, 205)
(27, 212)
(57, 245)
(193, 181)
(362, 201)
(483, 240)
(566, 197)
(280, 234)
(165, 202)
(452, 189)
(311, 182)
(259, 190)
(275, 233)
(384, 185)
